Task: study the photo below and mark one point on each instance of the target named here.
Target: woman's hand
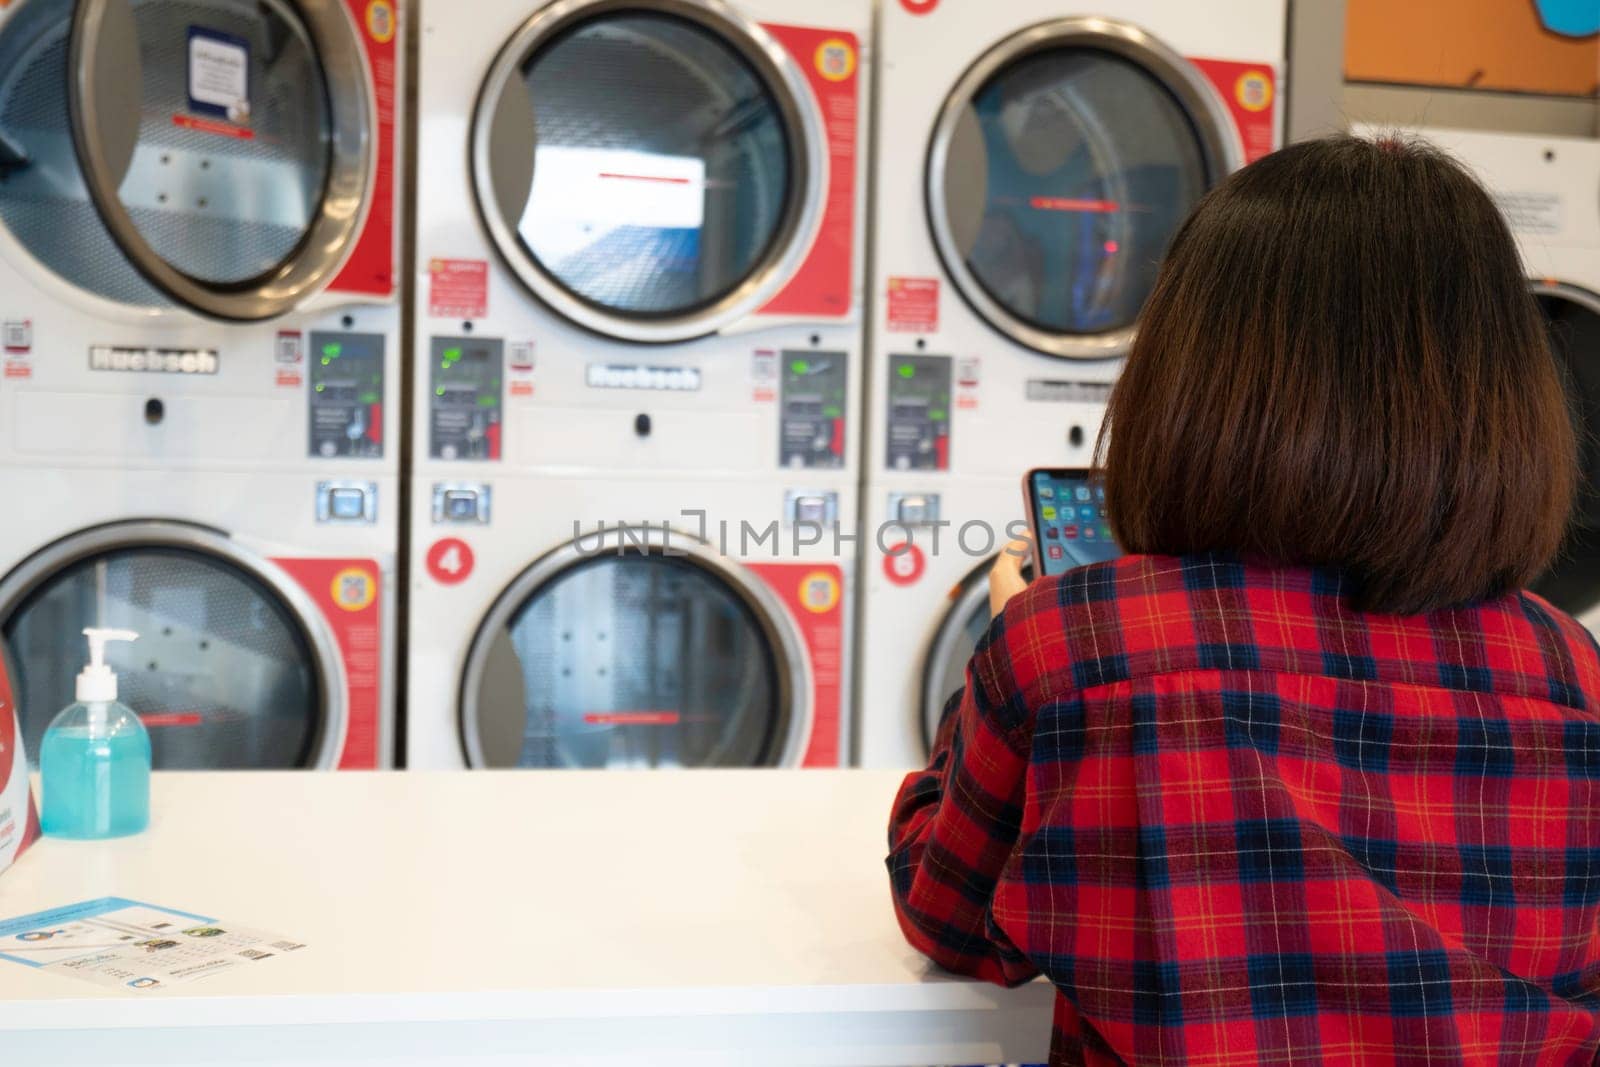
(1005, 577)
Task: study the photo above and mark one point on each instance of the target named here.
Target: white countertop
(733, 917)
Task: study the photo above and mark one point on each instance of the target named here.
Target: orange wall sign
(1502, 45)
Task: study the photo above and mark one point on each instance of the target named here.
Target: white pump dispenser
(96, 682)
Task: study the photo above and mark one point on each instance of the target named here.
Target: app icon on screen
(1048, 513)
(1083, 492)
(1055, 552)
(1071, 533)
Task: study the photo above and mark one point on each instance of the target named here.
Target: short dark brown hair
(1341, 364)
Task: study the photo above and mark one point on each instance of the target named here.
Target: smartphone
(1067, 514)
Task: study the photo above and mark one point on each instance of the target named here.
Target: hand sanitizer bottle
(94, 764)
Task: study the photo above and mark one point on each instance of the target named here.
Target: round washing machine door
(1573, 315)
(944, 671)
(1060, 168)
(214, 154)
(622, 656)
(231, 669)
(652, 169)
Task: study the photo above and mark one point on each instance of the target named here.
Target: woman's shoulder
(1139, 616)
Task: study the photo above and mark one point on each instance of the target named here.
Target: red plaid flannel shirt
(1234, 821)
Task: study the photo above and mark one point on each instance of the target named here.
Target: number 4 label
(450, 561)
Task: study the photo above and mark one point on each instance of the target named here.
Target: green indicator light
(907, 371)
(445, 365)
(488, 401)
(369, 398)
(830, 412)
(320, 388)
(936, 415)
(452, 354)
(326, 361)
(332, 351)
(439, 391)
(799, 366)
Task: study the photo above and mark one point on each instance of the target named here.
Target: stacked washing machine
(198, 298)
(638, 361)
(1548, 188)
(1031, 168)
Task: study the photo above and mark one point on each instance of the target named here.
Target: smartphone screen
(1067, 511)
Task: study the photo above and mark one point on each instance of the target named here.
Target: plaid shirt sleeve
(954, 826)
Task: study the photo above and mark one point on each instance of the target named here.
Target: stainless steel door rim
(352, 164)
(1172, 71)
(803, 126)
(327, 666)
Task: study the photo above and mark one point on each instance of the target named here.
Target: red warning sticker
(811, 593)
(919, 7)
(821, 285)
(450, 561)
(1249, 91)
(913, 305)
(346, 591)
(458, 288)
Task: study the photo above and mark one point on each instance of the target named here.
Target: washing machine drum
(1061, 167)
(633, 660)
(228, 671)
(649, 171)
(1573, 316)
(214, 154)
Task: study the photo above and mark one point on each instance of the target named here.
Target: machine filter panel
(919, 413)
(811, 430)
(346, 395)
(465, 404)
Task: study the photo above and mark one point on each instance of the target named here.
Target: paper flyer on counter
(129, 945)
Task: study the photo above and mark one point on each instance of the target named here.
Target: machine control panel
(811, 430)
(347, 503)
(815, 507)
(464, 401)
(914, 509)
(919, 413)
(346, 395)
(462, 502)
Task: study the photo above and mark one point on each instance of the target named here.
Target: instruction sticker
(138, 947)
(219, 75)
(1531, 212)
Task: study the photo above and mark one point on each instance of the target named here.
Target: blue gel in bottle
(94, 763)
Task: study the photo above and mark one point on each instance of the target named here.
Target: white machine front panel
(179, 601)
(906, 594)
(1547, 187)
(507, 384)
(314, 392)
(1011, 406)
(1573, 582)
(594, 644)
